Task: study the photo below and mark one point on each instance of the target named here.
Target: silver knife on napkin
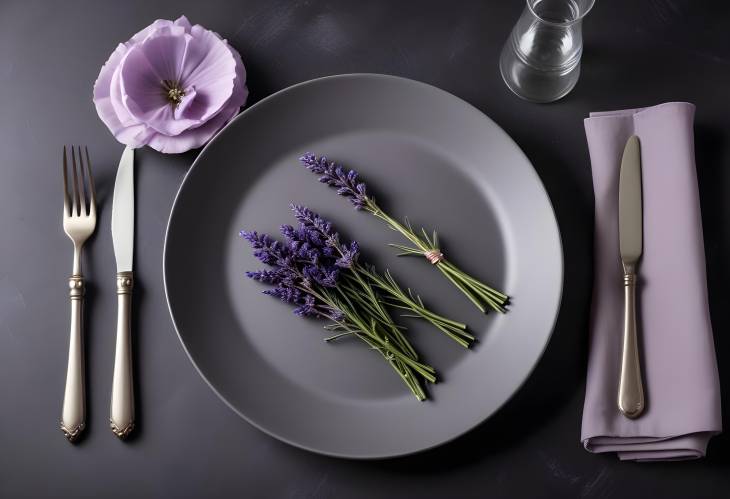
(630, 226)
(121, 417)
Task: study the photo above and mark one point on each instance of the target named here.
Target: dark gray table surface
(189, 444)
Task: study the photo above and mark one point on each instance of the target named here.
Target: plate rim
(289, 441)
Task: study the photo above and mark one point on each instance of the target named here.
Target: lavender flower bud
(266, 276)
(288, 232)
(334, 175)
(285, 294)
(307, 307)
(349, 256)
(326, 277)
(311, 222)
(337, 315)
(267, 249)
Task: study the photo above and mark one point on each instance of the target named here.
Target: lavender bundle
(366, 276)
(321, 275)
(349, 185)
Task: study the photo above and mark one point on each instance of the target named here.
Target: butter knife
(121, 418)
(630, 224)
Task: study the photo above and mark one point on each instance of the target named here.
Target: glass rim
(589, 6)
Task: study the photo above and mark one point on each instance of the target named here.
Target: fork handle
(631, 390)
(121, 418)
(73, 415)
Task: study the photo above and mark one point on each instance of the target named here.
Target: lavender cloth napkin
(678, 355)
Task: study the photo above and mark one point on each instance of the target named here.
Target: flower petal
(210, 68)
(186, 109)
(183, 22)
(102, 90)
(195, 137)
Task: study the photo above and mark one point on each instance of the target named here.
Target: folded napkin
(675, 336)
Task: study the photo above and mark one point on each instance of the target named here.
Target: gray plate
(427, 155)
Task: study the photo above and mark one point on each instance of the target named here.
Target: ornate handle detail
(630, 391)
(73, 416)
(121, 418)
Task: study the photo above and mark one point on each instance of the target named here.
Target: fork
(79, 221)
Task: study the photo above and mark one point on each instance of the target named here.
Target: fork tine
(82, 184)
(75, 185)
(66, 211)
(92, 189)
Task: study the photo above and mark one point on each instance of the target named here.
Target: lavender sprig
(306, 272)
(350, 186)
(346, 182)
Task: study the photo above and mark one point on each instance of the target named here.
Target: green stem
(405, 372)
(382, 315)
(459, 276)
(380, 311)
(474, 281)
(454, 329)
(472, 288)
(464, 290)
(425, 370)
(424, 314)
(339, 335)
(407, 375)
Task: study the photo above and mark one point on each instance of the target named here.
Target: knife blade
(630, 223)
(123, 212)
(121, 417)
(629, 203)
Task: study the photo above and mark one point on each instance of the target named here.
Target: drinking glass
(540, 61)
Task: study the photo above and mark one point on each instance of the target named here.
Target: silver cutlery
(79, 221)
(121, 417)
(631, 390)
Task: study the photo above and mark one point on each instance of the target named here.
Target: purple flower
(320, 232)
(324, 276)
(314, 225)
(291, 235)
(307, 308)
(285, 294)
(172, 86)
(346, 182)
(298, 266)
(306, 248)
(301, 238)
(266, 276)
(257, 240)
(310, 260)
(349, 255)
(337, 315)
(267, 249)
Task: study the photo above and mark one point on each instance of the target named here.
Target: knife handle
(631, 390)
(121, 418)
(73, 415)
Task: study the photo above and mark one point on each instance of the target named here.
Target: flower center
(174, 92)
